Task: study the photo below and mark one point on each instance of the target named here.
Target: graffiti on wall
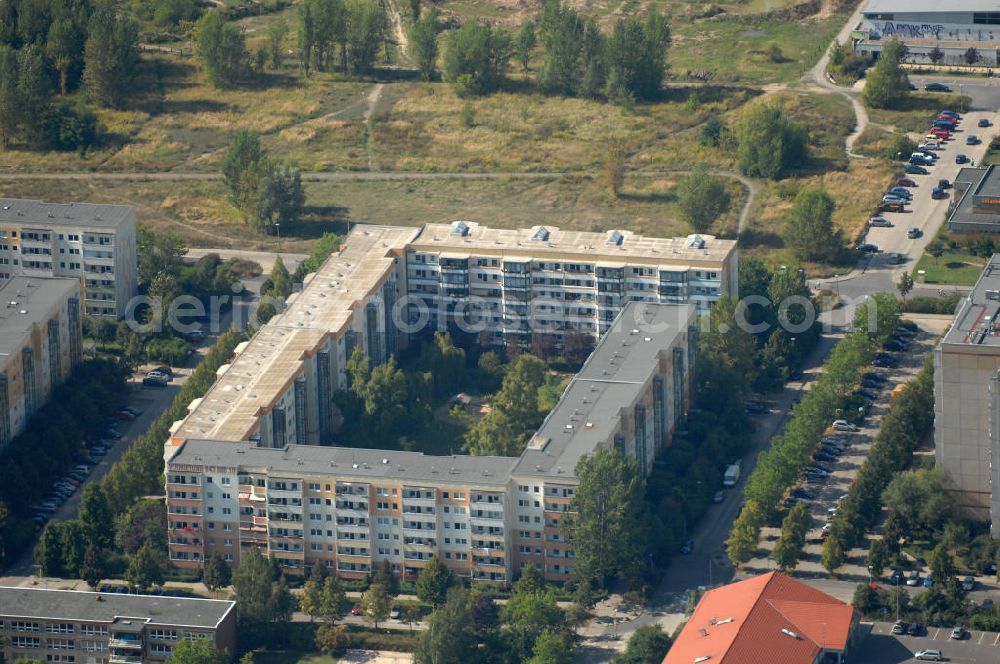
(913, 30)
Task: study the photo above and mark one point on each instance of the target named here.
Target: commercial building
(923, 25)
(766, 619)
(975, 207)
(41, 339)
(387, 283)
(967, 399)
(484, 517)
(96, 628)
(93, 243)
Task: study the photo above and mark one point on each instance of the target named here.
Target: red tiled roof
(743, 623)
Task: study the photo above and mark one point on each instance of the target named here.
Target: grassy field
(918, 111)
(199, 212)
(291, 657)
(958, 269)
(856, 191)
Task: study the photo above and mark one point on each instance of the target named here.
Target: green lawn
(291, 657)
(918, 111)
(951, 268)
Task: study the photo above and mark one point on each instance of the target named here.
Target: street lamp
(277, 230)
(870, 570)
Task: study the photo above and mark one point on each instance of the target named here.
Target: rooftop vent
(695, 242)
(541, 234)
(459, 228)
(704, 658)
(724, 621)
(703, 631)
(788, 632)
(615, 237)
(993, 295)
(384, 460)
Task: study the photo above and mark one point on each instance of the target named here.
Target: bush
(926, 304)
(68, 128)
(173, 351)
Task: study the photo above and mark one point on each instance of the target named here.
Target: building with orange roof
(766, 619)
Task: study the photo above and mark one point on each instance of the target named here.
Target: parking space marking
(996, 640)
(981, 637)
(934, 638)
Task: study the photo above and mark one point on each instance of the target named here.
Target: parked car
(928, 154)
(756, 408)
(687, 547)
(972, 139)
(943, 183)
(880, 222)
(892, 198)
(961, 159)
(951, 113)
(804, 494)
(394, 613)
(929, 655)
(913, 579)
(914, 169)
(124, 415)
(900, 627)
(167, 371)
(914, 233)
(895, 346)
(891, 207)
(902, 332)
(824, 456)
(947, 125)
(938, 193)
(357, 609)
(902, 192)
(917, 160)
(896, 578)
(928, 582)
(871, 384)
(968, 583)
(195, 336)
(929, 145)
(871, 375)
(718, 496)
(895, 258)
(843, 425)
(958, 633)
(905, 182)
(935, 134)
(155, 381)
(983, 122)
(867, 393)
(916, 629)
(867, 248)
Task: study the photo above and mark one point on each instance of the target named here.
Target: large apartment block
(93, 243)
(98, 628)
(511, 283)
(484, 517)
(387, 283)
(967, 399)
(41, 338)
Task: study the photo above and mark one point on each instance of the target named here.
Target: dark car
(883, 362)
(961, 159)
(687, 547)
(896, 578)
(917, 160)
(877, 377)
(947, 125)
(913, 169)
(867, 393)
(916, 629)
(983, 123)
(937, 87)
(824, 456)
(871, 384)
(943, 183)
(867, 248)
(804, 494)
(756, 408)
(972, 140)
(900, 627)
(895, 346)
(914, 233)
(938, 193)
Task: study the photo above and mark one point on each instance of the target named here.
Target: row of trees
(357, 27)
(37, 457)
(782, 464)
(906, 423)
(578, 59)
(54, 48)
(268, 192)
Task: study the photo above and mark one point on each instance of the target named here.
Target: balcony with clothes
(284, 515)
(352, 506)
(351, 490)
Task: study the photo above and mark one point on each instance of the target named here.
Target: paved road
(881, 647)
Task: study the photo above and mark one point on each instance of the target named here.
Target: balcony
(131, 642)
(352, 507)
(125, 659)
(251, 497)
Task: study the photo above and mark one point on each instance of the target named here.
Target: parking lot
(882, 647)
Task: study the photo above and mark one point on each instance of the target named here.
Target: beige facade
(484, 517)
(967, 399)
(94, 628)
(95, 244)
(40, 342)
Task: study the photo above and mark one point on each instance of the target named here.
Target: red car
(124, 415)
(940, 133)
(905, 182)
(357, 609)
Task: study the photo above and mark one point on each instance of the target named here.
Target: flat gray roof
(75, 605)
(351, 463)
(976, 320)
(929, 6)
(26, 302)
(22, 211)
(977, 182)
(612, 378)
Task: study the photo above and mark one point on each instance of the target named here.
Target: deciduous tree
(702, 198)
(217, 573)
(424, 45)
(433, 583)
(769, 144)
(809, 230)
(887, 85)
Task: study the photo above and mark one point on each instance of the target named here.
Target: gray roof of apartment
(351, 463)
(928, 6)
(74, 605)
(612, 379)
(979, 182)
(976, 321)
(23, 212)
(26, 302)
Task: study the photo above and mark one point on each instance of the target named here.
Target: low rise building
(967, 399)
(924, 25)
(93, 243)
(975, 206)
(484, 517)
(766, 619)
(99, 628)
(41, 338)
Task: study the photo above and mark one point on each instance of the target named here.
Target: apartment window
(459, 495)
(228, 527)
(94, 630)
(444, 494)
(226, 481)
(60, 644)
(314, 486)
(227, 542)
(25, 641)
(169, 634)
(315, 501)
(60, 628)
(227, 496)
(22, 626)
(60, 658)
(160, 649)
(381, 492)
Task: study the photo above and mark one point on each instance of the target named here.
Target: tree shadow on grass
(316, 220)
(755, 237)
(649, 196)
